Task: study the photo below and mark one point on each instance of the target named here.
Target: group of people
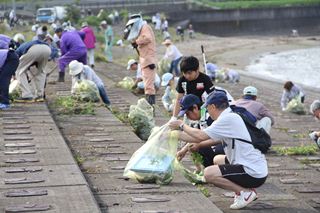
(26, 61)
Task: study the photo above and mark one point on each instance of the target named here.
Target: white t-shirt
(172, 53)
(229, 126)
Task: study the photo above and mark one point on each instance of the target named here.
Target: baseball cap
(166, 78)
(130, 62)
(186, 102)
(216, 97)
(250, 90)
(104, 22)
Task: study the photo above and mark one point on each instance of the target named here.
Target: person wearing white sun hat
(170, 93)
(79, 71)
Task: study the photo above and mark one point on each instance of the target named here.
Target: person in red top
(89, 41)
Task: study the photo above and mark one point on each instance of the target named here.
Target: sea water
(299, 66)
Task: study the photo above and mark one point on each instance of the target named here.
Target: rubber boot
(151, 99)
(61, 77)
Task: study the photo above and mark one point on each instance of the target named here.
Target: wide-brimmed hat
(130, 62)
(167, 42)
(75, 67)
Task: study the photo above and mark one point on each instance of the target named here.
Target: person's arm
(188, 134)
(176, 107)
(284, 100)
(145, 36)
(207, 143)
(265, 112)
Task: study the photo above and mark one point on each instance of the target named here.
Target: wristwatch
(181, 127)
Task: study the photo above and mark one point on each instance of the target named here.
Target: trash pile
(141, 118)
(87, 91)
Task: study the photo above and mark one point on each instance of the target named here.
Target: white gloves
(173, 118)
(283, 109)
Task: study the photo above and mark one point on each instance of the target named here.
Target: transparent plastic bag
(86, 90)
(295, 106)
(141, 118)
(126, 83)
(154, 162)
(163, 66)
(14, 90)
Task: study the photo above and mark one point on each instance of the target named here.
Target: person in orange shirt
(142, 38)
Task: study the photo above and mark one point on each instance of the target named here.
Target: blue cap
(186, 102)
(216, 98)
(166, 78)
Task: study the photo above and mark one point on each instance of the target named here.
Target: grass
(79, 159)
(67, 105)
(123, 117)
(297, 150)
(243, 4)
(203, 190)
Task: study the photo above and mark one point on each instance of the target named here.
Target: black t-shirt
(196, 87)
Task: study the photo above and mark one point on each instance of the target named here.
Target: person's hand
(173, 118)
(194, 147)
(175, 124)
(180, 154)
(134, 45)
(283, 109)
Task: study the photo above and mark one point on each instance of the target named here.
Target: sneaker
(39, 99)
(4, 106)
(24, 100)
(243, 199)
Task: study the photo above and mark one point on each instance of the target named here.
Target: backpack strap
(239, 139)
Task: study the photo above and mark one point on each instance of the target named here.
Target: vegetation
(67, 105)
(297, 150)
(233, 4)
(123, 117)
(203, 190)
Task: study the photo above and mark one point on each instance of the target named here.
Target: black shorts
(237, 175)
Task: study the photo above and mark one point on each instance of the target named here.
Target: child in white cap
(170, 93)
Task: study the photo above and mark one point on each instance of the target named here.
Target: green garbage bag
(141, 118)
(295, 106)
(86, 90)
(126, 83)
(154, 161)
(220, 76)
(14, 90)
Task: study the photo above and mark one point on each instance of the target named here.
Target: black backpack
(260, 138)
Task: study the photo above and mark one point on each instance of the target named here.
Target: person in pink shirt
(142, 38)
(89, 41)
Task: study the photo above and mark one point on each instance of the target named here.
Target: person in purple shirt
(72, 48)
(9, 62)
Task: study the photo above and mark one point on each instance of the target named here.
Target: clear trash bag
(14, 90)
(141, 118)
(154, 162)
(126, 83)
(295, 106)
(163, 66)
(86, 90)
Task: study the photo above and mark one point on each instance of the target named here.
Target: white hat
(75, 67)
(104, 22)
(19, 37)
(84, 24)
(130, 62)
(166, 78)
(250, 90)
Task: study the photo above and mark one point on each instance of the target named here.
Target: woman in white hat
(79, 71)
(174, 55)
